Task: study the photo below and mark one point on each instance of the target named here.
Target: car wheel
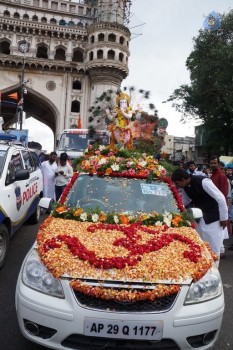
(4, 243)
(35, 217)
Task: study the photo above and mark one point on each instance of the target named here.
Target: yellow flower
(78, 212)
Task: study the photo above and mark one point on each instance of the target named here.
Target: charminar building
(60, 55)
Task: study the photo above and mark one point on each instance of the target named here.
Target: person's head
(191, 166)
(181, 165)
(52, 157)
(181, 178)
(63, 158)
(214, 163)
(228, 172)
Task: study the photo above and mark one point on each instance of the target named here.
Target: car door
(11, 194)
(34, 186)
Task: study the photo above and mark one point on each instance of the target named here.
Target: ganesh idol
(121, 134)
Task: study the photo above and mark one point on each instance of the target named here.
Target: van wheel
(4, 244)
(35, 217)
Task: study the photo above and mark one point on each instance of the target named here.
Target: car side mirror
(21, 174)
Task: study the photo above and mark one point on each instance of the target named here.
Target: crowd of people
(210, 189)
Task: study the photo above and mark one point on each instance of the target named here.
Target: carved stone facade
(77, 50)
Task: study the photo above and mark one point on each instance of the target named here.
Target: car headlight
(36, 276)
(207, 288)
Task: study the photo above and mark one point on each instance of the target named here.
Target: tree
(209, 97)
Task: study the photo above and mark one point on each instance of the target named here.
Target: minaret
(108, 50)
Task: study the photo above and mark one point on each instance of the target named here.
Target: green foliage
(209, 97)
(151, 146)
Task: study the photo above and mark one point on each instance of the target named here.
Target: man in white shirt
(49, 167)
(63, 175)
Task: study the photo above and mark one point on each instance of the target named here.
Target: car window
(2, 161)
(36, 160)
(14, 164)
(121, 194)
(28, 161)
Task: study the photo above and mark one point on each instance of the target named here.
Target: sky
(162, 39)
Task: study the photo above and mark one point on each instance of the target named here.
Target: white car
(21, 183)
(108, 272)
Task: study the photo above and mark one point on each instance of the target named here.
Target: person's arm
(185, 198)
(215, 193)
(69, 172)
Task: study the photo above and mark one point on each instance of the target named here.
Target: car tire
(35, 217)
(4, 244)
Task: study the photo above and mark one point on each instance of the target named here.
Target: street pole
(23, 47)
(21, 96)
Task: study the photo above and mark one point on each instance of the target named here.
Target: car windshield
(77, 142)
(112, 194)
(2, 161)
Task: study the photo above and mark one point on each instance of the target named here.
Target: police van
(75, 141)
(21, 184)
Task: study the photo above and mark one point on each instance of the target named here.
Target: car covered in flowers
(118, 264)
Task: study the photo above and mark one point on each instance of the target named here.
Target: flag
(14, 96)
(79, 123)
(212, 21)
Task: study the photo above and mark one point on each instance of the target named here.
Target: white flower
(167, 218)
(83, 216)
(101, 147)
(95, 217)
(143, 163)
(167, 221)
(158, 223)
(102, 161)
(116, 219)
(115, 167)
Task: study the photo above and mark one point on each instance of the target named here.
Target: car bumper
(60, 322)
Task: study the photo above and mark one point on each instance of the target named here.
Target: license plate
(98, 327)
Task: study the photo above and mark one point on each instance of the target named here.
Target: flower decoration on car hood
(159, 250)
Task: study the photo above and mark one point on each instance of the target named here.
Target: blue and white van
(21, 187)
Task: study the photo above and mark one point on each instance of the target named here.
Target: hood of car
(113, 254)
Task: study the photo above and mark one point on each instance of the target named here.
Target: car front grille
(159, 305)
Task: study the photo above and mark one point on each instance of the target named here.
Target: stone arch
(16, 15)
(5, 47)
(111, 55)
(77, 85)
(121, 57)
(101, 37)
(100, 54)
(6, 13)
(42, 51)
(121, 40)
(60, 53)
(35, 105)
(34, 18)
(78, 55)
(91, 56)
(112, 38)
(26, 17)
(43, 20)
(75, 106)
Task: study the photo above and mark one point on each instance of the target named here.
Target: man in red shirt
(218, 176)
